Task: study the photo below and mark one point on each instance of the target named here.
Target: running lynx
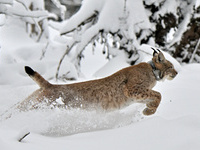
(129, 85)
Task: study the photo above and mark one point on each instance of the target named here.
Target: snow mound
(4, 146)
(112, 66)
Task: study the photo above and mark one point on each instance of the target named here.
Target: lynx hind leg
(149, 97)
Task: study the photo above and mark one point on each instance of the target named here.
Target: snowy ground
(175, 126)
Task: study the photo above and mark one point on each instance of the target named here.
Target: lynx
(127, 86)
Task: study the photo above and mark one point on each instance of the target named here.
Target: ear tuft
(158, 50)
(154, 51)
(29, 71)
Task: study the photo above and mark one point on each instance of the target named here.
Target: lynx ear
(160, 57)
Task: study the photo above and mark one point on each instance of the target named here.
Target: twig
(44, 50)
(24, 136)
(80, 51)
(69, 48)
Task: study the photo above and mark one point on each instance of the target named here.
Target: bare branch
(80, 51)
(44, 50)
(69, 48)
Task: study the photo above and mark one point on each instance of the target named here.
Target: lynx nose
(174, 74)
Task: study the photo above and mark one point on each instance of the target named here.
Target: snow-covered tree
(180, 20)
(116, 24)
(31, 12)
(123, 25)
(186, 48)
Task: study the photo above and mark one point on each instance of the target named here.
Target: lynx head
(164, 69)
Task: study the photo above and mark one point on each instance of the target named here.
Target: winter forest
(69, 41)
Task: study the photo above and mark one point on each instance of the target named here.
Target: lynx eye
(171, 67)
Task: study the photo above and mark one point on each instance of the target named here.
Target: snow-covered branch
(10, 2)
(32, 14)
(87, 20)
(61, 7)
(21, 12)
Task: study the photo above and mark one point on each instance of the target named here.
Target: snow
(168, 7)
(111, 66)
(92, 56)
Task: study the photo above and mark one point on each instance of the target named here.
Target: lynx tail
(37, 78)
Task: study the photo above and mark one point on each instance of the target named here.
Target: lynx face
(165, 68)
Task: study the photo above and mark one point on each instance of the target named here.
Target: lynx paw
(149, 111)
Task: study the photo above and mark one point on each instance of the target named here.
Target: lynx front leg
(153, 103)
(149, 97)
